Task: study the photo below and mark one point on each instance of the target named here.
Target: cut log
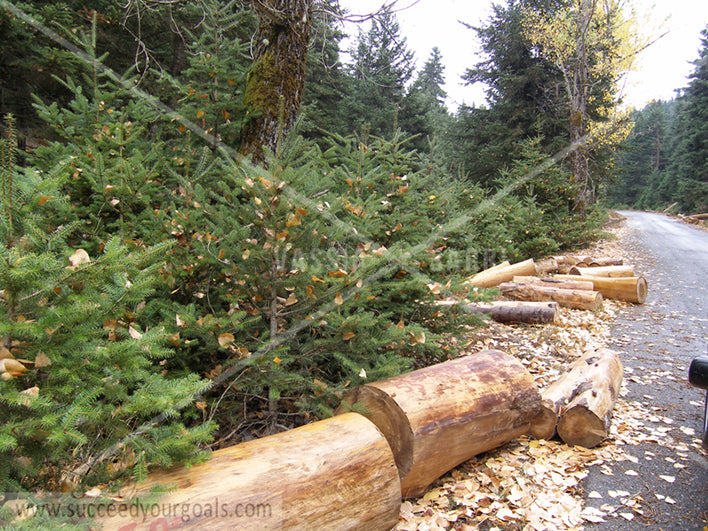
(699, 216)
(583, 398)
(606, 271)
(338, 473)
(555, 282)
(629, 289)
(496, 275)
(440, 416)
(585, 420)
(602, 262)
(516, 311)
(546, 266)
(570, 298)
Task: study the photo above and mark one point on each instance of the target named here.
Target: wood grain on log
(606, 271)
(629, 289)
(337, 473)
(496, 275)
(581, 400)
(440, 416)
(555, 282)
(570, 298)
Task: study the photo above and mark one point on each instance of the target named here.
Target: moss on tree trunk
(276, 80)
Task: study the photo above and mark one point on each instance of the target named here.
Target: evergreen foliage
(156, 285)
(92, 363)
(663, 164)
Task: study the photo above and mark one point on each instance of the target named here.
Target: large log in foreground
(496, 275)
(337, 473)
(630, 289)
(582, 400)
(440, 416)
(516, 311)
(570, 298)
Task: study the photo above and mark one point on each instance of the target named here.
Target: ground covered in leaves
(536, 485)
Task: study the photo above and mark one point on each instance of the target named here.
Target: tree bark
(570, 298)
(438, 417)
(583, 398)
(276, 81)
(337, 473)
(501, 273)
(629, 289)
(516, 311)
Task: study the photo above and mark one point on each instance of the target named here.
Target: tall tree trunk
(276, 81)
(580, 167)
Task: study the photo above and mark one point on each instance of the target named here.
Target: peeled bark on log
(570, 298)
(440, 416)
(555, 282)
(547, 265)
(516, 311)
(629, 289)
(337, 473)
(606, 271)
(583, 398)
(496, 275)
(585, 420)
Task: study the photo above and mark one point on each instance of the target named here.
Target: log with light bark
(699, 217)
(546, 266)
(337, 473)
(629, 289)
(555, 282)
(606, 271)
(498, 274)
(516, 311)
(440, 416)
(570, 298)
(579, 404)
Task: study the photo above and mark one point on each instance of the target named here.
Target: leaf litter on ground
(535, 485)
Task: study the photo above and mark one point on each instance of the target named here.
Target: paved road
(657, 342)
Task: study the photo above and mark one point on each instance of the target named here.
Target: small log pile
(579, 283)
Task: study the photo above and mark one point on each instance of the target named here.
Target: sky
(661, 69)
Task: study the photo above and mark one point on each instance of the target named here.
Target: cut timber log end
(554, 282)
(570, 298)
(516, 311)
(607, 271)
(498, 274)
(338, 473)
(440, 416)
(629, 289)
(583, 400)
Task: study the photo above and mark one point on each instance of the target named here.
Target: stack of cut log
(579, 283)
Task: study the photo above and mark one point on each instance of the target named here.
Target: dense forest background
(212, 227)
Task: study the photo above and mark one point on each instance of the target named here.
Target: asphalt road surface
(668, 473)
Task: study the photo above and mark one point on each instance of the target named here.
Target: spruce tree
(689, 165)
(382, 67)
(83, 383)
